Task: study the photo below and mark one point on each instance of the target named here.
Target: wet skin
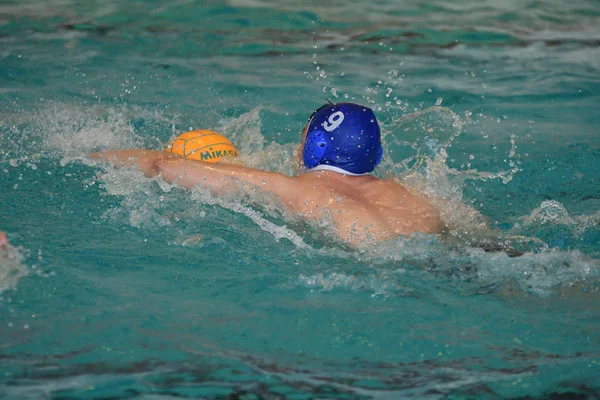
(364, 209)
(3, 240)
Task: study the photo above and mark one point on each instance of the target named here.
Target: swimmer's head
(342, 137)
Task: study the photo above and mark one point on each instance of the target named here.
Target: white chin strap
(325, 167)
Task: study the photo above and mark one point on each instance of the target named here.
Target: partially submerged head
(342, 137)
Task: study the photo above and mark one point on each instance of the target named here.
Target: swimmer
(3, 246)
(3, 241)
(340, 147)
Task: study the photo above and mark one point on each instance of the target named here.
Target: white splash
(245, 133)
(11, 267)
(378, 283)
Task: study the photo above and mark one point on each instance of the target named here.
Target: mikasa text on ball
(203, 145)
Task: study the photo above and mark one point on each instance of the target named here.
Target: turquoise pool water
(118, 286)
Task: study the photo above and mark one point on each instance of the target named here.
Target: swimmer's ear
(314, 149)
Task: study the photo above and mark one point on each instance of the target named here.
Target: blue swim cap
(343, 137)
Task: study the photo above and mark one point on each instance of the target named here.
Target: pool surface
(121, 286)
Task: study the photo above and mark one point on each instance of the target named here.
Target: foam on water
(246, 133)
(11, 267)
(417, 147)
(72, 132)
(429, 136)
(552, 212)
(393, 265)
(144, 200)
(377, 283)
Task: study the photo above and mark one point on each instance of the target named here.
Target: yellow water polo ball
(203, 145)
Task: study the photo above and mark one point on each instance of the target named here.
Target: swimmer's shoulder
(412, 204)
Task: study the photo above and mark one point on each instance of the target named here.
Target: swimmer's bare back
(363, 208)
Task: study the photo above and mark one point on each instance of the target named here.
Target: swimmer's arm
(144, 160)
(223, 178)
(218, 178)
